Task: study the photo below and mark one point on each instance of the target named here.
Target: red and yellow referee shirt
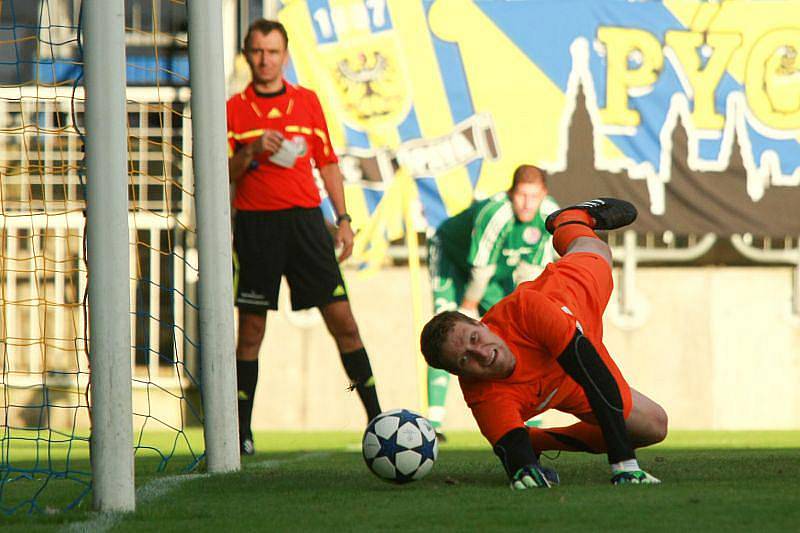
(298, 115)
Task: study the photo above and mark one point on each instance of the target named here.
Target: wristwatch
(342, 218)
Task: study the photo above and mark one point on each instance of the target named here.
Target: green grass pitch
(712, 481)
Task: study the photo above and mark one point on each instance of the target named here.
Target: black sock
(356, 364)
(246, 379)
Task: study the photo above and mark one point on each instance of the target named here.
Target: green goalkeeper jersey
(487, 233)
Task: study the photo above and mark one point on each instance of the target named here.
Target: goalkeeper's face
(474, 351)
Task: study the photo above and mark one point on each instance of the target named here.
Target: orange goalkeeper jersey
(537, 321)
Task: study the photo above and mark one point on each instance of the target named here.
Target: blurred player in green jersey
(478, 256)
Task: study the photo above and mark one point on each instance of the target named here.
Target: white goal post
(107, 227)
(107, 253)
(212, 199)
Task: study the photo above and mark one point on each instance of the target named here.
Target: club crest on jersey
(531, 235)
(369, 81)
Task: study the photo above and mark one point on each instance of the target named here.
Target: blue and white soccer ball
(400, 446)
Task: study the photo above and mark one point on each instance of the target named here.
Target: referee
(276, 131)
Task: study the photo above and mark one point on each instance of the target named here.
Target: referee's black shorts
(291, 242)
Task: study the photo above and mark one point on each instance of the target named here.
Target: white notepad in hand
(287, 154)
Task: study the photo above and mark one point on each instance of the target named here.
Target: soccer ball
(400, 446)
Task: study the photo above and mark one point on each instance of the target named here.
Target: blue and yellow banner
(689, 108)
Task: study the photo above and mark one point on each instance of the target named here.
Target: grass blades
(732, 481)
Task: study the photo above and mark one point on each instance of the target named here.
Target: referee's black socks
(246, 379)
(356, 364)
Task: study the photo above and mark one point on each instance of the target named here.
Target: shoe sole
(550, 475)
(608, 213)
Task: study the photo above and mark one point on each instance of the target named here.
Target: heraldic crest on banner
(369, 81)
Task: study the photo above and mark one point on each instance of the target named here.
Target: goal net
(45, 368)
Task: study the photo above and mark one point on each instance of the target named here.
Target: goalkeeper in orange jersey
(480, 255)
(541, 348)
